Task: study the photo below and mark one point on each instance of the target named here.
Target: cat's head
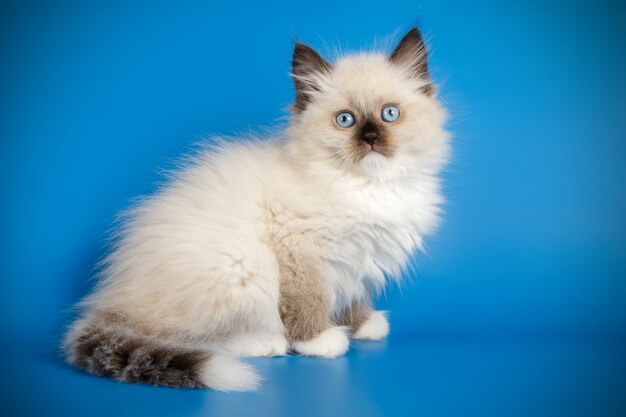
(368, 114)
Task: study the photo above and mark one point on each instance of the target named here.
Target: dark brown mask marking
(369, 132)
(372, 135)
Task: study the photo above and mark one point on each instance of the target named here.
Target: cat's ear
(411, 52)
(307, 68)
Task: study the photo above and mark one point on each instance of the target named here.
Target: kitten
(260, 248)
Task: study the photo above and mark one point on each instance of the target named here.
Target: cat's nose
(370, 137)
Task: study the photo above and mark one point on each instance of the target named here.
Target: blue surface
(518, 309)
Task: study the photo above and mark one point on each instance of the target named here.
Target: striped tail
(120, 353)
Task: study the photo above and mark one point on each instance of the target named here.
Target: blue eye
(345, 119)
(390, 113)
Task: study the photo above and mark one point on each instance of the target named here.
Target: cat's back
(222, 185)
(207, 216)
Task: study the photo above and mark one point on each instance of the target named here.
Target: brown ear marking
(412, 51)
(306, 63)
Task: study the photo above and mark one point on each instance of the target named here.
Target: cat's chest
(369, 230)
(369, 240)
(380, 205)
(361, 235)
(379, 226)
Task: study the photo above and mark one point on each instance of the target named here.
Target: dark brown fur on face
(372, 135)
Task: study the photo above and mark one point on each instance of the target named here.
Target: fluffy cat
(264, 247)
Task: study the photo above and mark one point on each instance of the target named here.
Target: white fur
(251, 345)
(376, 327)
(328, 344)
(222, 373)
(196, 262)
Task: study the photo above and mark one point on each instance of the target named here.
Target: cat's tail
(120, 353)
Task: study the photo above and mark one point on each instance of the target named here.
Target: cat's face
(368, 114)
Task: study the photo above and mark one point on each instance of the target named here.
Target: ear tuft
(411, 52)
(307, 66)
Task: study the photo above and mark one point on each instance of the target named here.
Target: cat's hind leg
(252, 345)
(243, 315)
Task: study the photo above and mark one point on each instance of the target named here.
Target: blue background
(519, 307)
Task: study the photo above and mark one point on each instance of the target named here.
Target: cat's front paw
(376, 327)
(328, 344)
